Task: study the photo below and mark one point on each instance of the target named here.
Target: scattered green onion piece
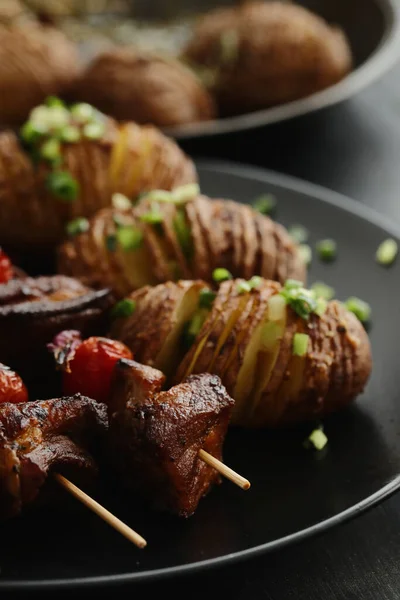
(62, 185)
(300, 344)
(31, 132)
(206, 298)
(301, 300)
(265, 204)
(54, 101)
(77, 226)
(50, 150)
(321, 290)
(243, 287)
(93, 131)
(305, 252)
(387, 252)
(183, 233)
(57, 117)
(317, 438)
(255, 282)
(40, 116)
(119, 220)
(322, 306)
(157, 196)
(326, 249)
(83, 112)
(185, 193)
(359, 307)
(111, 243)
(153, 217)
(124, 308)
(298, 233)
(120, 202)
(70, 134)
(129, 237)
(291, 284)
(220, 274)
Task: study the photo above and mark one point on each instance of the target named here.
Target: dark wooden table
(353, 148)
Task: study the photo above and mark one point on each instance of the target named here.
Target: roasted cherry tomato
(6, 268)
(90, 369)
(12, 388)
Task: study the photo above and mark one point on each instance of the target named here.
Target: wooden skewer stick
(224, 470)
(102, 512)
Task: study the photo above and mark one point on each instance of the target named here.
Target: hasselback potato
(70, 164)
(161, 240)
(283, 354)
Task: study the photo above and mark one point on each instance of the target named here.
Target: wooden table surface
(353, 148)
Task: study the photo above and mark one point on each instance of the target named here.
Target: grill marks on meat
(38, 437)
(156, 437)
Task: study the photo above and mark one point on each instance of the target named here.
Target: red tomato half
(12, 388)
(6, 268)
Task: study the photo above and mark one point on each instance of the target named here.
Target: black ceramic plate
(373, 30)
(295, 492)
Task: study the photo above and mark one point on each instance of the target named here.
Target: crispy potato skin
(332, 373)
(129, 159)
(277, 53)
(35, 62)
(223, 234)
(149, 89)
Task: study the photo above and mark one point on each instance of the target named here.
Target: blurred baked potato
(261, 54)
(134, 85)
(73, 169)
(35, 61)
(178, 235)
(283, 354)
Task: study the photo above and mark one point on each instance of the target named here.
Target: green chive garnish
(291, 284)
(300, 344)
(32, 132)
(120, 202)
(265, 204)
(321, 290)
(387, 252)
(153, 217)
(322, 306)
(317, 438)
(326, 249)
(51, 150)
(77, 226)
(130, 238)
(255, 281)
(220, 274)
(94, 131)
(70, 134)
(82, 112)
(62, 185)
(124, 308)
(298, 233)
(305, 252)
(206, 298)
(185, 193)
(183, 233)
(359, 307)
(243, 287)
(301, 300)
(54, 101)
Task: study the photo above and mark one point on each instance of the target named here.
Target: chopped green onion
(317, 438)
(154, 217)
(79, 225)
(326, 249)
(54, 101)
(255, 282)
(40, 116)
(220, 274)
(70, 134)
(111, 242)
(243, 287)
(322, 306)
(31, 132)
(123, 308)
(298, 233)
(361, 309)
(300, 344)
(305, 252)
(185, 193)
(129, 237)
(387, 252)
(120, 202)
(94, 131)
(206, 298)
(63, 185)
(83, 112)
(301, 300)
(265, 204)
(57, 117)
(50, 150)
(119, 220)
(183, 233)
(157, 196)
(291, 284)
(321, 290)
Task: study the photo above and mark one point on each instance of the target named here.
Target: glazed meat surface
(155, 439)
(39, 437)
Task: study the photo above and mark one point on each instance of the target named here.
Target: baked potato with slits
(262, 54)
(133, 85)
(282, 359)
(35, 62)
(127, 159)
(159, 241)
